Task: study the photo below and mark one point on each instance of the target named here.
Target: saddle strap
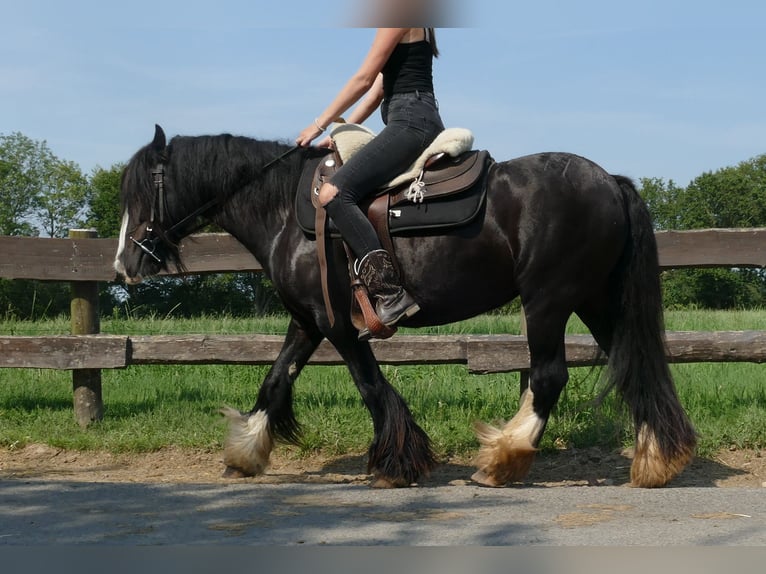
(377, 213)
(321, 244)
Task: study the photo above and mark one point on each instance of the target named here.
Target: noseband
(148, 244)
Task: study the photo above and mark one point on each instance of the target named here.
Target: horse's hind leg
(664, 436)
(251, 435)
(507, 453)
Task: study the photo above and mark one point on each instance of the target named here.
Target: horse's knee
(248, 444)
(327, 192)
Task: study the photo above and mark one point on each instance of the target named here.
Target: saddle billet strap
(325, 170)
(321, 245)
(377, 213)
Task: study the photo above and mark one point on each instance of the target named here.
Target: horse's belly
(452, 285)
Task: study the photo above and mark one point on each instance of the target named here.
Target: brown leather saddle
(449, 192)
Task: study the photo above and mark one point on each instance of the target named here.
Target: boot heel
(410, 311)
(404, 314)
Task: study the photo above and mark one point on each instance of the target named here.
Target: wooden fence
(85, 260)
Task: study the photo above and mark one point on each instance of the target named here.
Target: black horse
(556, 230)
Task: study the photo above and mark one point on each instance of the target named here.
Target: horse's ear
(159, 139)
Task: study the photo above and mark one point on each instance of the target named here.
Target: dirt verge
(571, 467)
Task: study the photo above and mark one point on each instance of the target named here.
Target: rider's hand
(308, 134)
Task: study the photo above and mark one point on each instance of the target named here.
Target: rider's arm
(360, 83)
(369, 103)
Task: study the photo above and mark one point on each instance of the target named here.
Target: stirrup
(375, 328)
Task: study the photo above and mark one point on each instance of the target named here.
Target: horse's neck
(257, 215)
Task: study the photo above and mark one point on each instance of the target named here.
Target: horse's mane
(197, 166)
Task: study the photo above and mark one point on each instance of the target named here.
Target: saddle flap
(447, 176)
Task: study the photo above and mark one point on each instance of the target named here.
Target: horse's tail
(638, 368)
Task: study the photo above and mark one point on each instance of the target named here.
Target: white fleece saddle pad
(350, 138)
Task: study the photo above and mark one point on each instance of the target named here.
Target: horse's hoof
(485, 479)
(382, 482)
(232, 472)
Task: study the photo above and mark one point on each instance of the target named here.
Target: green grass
(148, 407)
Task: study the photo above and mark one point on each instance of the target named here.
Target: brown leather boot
(377, 272)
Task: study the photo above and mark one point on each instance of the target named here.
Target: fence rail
(85, 260)
(481, 353)
(78, 259)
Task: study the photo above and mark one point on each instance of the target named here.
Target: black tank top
(409, 68)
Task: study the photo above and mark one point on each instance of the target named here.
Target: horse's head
(147, 235)
(170, 190)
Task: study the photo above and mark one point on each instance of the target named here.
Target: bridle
(148, 244)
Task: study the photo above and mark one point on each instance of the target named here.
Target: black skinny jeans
(412, 123)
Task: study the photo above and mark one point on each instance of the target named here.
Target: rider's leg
(373, 264)
(412, 122)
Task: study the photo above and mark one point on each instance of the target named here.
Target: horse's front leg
(400, 452)
(251, 435)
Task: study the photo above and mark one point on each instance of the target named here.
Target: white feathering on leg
(249, 443)
(651, 468)
(506, 455)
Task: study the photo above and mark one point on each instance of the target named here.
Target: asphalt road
(59, 512)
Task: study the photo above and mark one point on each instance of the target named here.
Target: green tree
(729, 197)
(22, 171)
(62, 202)
(38, 191)
(105, 213)
(30, 300)
(662, 198)
(234, 294)
(714, 288)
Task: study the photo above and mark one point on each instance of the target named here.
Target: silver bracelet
(316, 123)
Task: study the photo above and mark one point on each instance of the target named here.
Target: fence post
(86, 383)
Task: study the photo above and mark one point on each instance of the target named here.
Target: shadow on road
(572, 467)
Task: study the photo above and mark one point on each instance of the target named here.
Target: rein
(149, 243)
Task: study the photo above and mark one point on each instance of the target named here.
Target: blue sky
(666, 89)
